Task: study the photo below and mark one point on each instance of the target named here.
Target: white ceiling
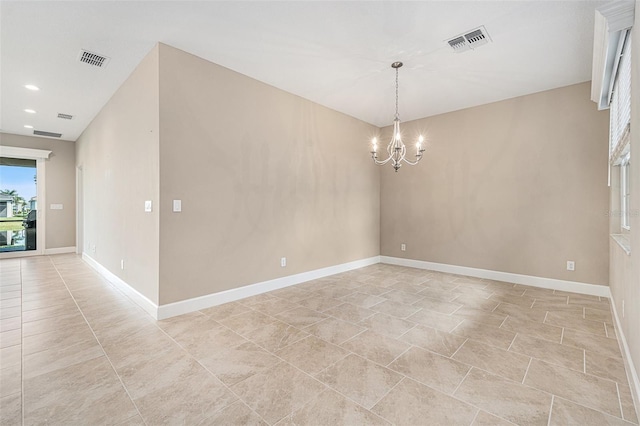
(337, 54)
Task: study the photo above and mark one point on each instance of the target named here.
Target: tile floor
(380, 345)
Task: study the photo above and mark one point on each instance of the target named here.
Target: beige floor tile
(10, 380)
(591, 343)
(431, 369)
(247, 322)
(225, 310)
(334, 330)
(276, 335)
(569, 311)
(598, 315)
(411, 403)
(275, 393)
(479, 315)
(293, 293)
(330, 408)
(402, 297)
(58, 339)
(435, 320)
(17, 294)
(235, 414)
(49, 312)
(626, 403)
(512, 401)
(611, 331)
(514, 311)
(485, 419)
(523, 301)
(10, 338)
(437, 306)
(586, 302)
(387, 324)
(606, 367)
(10, 303)
(359, 379)
(11, 289)
(312, 354)
(195, 397)
(141, 346)
(65, 300)
(349, 312)
(531, 328)
(333, 291)
(437, 294)
(85, 393)
(376, 347)
(555, 353)
(301, 317)
(320, 303)
(434, 340)
(569, 413)
(232, 365)
(56, 358)
(133, 421)
(477, 292)
(542, 293)
(485, 333)
(494, 360)
(587, 326)
(10, 356)
(11, 410)
(274, 306)
(406, 286)
(10, 312)
(373, 289)
(254, 300)
(590, 391)
(475, 301)
(363, 300)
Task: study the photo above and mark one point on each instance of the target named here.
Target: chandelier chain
(397, 115)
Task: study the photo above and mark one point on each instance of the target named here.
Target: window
(624, 191)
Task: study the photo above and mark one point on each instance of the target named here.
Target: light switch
(177, 205)
(147, 206)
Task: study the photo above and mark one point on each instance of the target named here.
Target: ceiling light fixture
(396, 149)
(28, 126)
(30, 111)
(32, 87)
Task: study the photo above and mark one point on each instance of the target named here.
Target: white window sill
(623, 242)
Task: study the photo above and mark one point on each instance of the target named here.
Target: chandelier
(396, 150)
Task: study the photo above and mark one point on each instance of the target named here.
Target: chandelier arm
(413, 163)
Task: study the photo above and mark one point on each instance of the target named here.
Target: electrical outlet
(121, 263)
(403, 247)
(283, 262)
(93, 248)
(571, 265)
(148, 206)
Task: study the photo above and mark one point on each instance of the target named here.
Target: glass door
(18, 205)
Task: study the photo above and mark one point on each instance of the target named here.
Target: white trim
(59, 250)
(214, 299)
(551, 283)
(632, 373)
(23, 153)
(133, 294)
(22, 253)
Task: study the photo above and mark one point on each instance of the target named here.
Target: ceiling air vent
(470, 40)
(93, 59)
(49, 134)
(65, 116)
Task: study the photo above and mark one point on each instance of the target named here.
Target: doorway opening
(18, 205)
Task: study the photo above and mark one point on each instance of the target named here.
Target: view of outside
(18, 205)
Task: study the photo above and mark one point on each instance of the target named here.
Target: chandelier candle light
(396, 149)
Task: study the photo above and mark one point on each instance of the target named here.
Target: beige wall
(262, 174)
(119, 157)
(625, 269)
(516, 186)
(60, 186)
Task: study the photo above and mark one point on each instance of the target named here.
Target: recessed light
(28, 126)
(30, 111)
(32, 87)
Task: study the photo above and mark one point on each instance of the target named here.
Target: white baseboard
(60, 250)
(133, 294)
(632, 373)
(214, 299)
(550, 283)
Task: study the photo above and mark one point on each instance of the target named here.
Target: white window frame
(625, 192)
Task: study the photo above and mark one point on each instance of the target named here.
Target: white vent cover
(470, 40)
(65, 116)
(93, 59)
